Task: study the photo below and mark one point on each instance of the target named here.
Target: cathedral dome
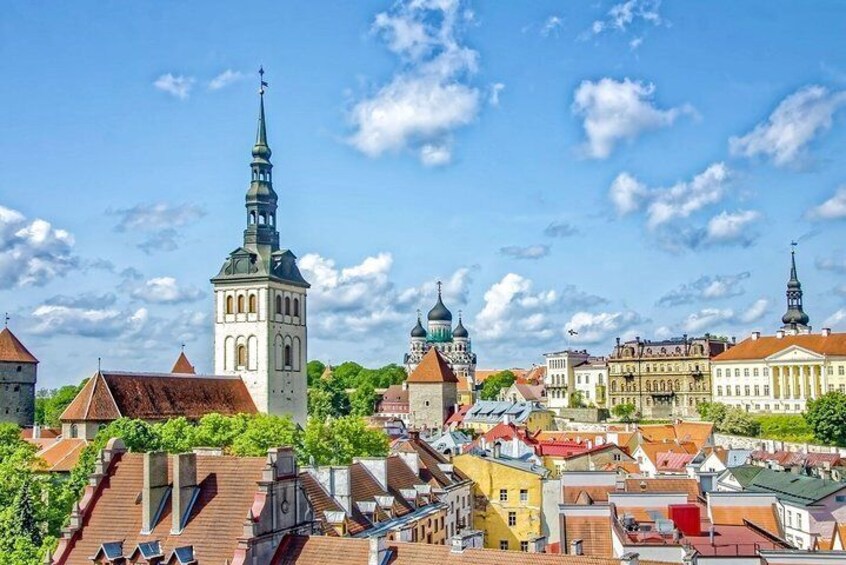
(439, 312)
(418, 330)
(460, 330)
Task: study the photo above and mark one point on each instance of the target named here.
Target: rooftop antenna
(99, 362)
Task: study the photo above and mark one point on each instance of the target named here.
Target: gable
(795, 353)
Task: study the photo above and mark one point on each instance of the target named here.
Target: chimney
(497, 450)
(185, 490)
(780, 334)
(733, 339)
(36, 429)
(826, 332)
(378, 551)
(756, 336)
(576, 547)
(630, 558)
(537, 545)
(405, 385)
(412, 460)
(711, 534)
(155, 489)
(506, 419)
(466, 539)
(376, 466)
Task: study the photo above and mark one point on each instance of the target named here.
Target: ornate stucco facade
(663, 379)
(453, 344)
(260, 321)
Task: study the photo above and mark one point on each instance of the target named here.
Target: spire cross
(439, 287)
(183, 347)
(418, 314)
(6, 319)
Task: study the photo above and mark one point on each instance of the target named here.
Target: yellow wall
(539, 420)
(490, 514)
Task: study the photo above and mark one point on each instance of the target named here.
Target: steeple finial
(261, 149)
(793, 275)
(6, 320)
(440, 284)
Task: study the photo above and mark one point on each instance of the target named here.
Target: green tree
(216, 430)
(263, 432)
(738, 421)
(49, 404)
(625, 412)
(346, 374)
(314, 369)
(328, 399)
(337, 441)
(175, 435)
(576, 400)
(363, 400)
(827, 417)
(713, 412)
(495, 383)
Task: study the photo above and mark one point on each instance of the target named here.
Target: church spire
(795, 319)
(261, 234)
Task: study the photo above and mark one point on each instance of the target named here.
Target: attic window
(19, 368)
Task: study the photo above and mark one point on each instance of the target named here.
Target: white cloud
(595, 328)
(627, 194)
(158, 221)
(560, 229)
(32, 252)
(755, 312)
(165, 290)
(685, 198)
(706, 288)
(512, 310)
(430, 97)
(358, 301)
(435, 155)
(732, 227)
(224, 79)
(528, 252)
(85, 320)
(635, 43)
(551, 26)
(836, 319)
(832, 209)
(836, 263)
(493, 97)
(622, 15)
(177, 86)
(614, 111)
(707, 318)
(792, 126)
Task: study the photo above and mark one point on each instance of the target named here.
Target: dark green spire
(261, 198)
(795, 317)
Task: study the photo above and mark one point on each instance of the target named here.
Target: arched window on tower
(272, 219)
(252, 218)
(262, 219)
(230, 304)
(288, 357)
(287, 306)
(253, 304)
(278, 304)
(242, 355)
(74, 431)
(296, 307)
(241, 304)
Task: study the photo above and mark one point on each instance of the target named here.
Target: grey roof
(246, 265)
(522, 464)
(460, 330)
(418, 330)
(492, 411)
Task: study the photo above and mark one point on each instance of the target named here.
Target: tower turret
(440, 320)
(795, 319)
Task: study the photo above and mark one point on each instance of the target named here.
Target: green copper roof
(799, 489)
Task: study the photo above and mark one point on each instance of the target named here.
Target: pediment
(795, 353)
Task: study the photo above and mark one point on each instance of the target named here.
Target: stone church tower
(260, 317)
(18, 369)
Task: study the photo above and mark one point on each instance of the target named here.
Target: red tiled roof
(62, 455)
(569, 450)
(672, 461)
(12, 350)
(183, 366)
(158, 396)
(689, 486)
(44, 433)
(457, 417)
(531, 392)
(321, 550)
(429, 461)
(432, 369)
(227, 489)
(764, 346)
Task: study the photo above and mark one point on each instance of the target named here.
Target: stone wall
(742, 442)
(590, 415)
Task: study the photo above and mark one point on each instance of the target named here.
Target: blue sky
(618, 168)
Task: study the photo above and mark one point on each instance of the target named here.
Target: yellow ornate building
(663, 379)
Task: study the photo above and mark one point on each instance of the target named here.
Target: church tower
(260, 300)
(795, 319)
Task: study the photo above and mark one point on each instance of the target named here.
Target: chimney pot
(576, 547)
(826, 332)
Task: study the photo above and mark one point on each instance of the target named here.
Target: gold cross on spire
(262, 83)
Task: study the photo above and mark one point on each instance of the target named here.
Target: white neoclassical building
(780, 373)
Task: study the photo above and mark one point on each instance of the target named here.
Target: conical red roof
(433, 369)
(12, 350)
(183, 366)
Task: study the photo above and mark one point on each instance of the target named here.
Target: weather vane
(262, 83)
